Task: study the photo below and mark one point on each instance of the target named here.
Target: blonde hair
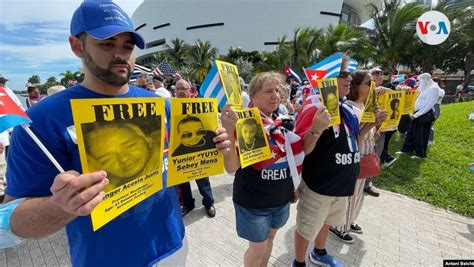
(257, 81)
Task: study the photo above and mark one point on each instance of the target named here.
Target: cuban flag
(289, 73)
(211, 87)
(327, 68)
(352, 65)
(397, 78)
(11, 114)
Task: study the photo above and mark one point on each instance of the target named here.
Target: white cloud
(37, 55)
(39, 45)
(16, 12)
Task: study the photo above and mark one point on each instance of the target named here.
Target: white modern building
(248, 24)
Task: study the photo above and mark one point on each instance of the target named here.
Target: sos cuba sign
(433, 27)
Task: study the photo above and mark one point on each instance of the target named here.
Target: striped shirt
(366, 142)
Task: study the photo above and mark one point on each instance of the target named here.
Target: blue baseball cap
(102, 20)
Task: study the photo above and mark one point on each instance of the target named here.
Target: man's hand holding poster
(124, 137)
(370, 105)
(251, 137)
(330, 94)
(230, 82)
(193, 153)
(393, 104)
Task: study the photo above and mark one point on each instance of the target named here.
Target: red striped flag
(306, 114)
(288, 144)
(165, 69)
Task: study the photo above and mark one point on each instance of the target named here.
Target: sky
(34, 38)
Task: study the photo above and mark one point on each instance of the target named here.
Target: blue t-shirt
(143, 235)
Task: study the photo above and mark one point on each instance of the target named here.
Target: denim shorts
(255, 224)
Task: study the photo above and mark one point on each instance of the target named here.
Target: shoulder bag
(369, 166)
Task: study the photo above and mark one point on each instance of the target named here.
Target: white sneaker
(399, 153)
(390, 163)
(415, 157)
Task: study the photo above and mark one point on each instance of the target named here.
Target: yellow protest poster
(370, 105)
(409, 105)
(381, 99)
(193, 153)
(251, 137)
(330, 94)
(230, 82)
(393, 104)
(124, 137)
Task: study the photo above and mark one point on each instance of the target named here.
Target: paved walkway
(398, 231)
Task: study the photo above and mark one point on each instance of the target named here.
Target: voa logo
(433, 27)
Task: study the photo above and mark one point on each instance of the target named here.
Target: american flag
(139, 69)
(165, 69)
(288, 148)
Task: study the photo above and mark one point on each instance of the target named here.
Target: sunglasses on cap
(188, 135)
(344, 74)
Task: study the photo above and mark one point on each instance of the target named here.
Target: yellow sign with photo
(409, 105)
(251, 137)
(393, 104)
(330, 95)
(193, 153)
(124, 137)
(370, 105)
(230, 82)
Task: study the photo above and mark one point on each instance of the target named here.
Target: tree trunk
(469, 68)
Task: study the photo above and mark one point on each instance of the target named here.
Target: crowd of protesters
(329, 198)
(340, 200)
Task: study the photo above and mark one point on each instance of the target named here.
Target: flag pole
(308, 78)
(43, 148)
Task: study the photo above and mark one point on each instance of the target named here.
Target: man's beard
(106, 75)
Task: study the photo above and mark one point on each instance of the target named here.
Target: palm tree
(276, 60)
(178, 53)
(67, 76)
(458, 49)
(79, 75)
(34, 79)
(304, 47)
(201, 57)
(467, 40)
(394, 33)
(339, 38)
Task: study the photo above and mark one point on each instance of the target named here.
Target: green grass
(443, 178)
